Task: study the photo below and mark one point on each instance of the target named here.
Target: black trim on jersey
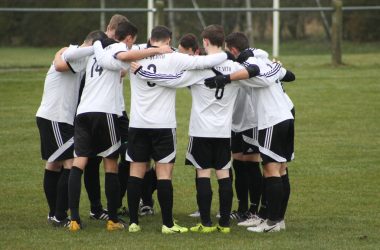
(72, 70)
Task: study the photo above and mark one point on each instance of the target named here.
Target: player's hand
(276, 61)
(60, 52)
(244, 55)
(135, 67)
(218, 81)
(164, 49)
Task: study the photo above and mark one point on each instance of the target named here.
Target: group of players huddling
(238, 106)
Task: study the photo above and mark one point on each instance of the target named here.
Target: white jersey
(244, 116)
(61, 90)
(153, 106)
(103, 81)
(210, 117)
(270, 102)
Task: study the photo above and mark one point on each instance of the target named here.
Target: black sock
(133, 195)
(225, 201)
(204, 198)
(147, 188)
(275, 195)
(75, 182)
(241, 185)
(165, 198)
(50, 188)
(254, 183)
(112, 188)
(62, 195)
(286, 186)
(92, 183)
(123, 175)
(263, 203)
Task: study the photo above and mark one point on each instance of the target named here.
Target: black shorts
(277, 142)
(97, 134)
(206, 153)
(240, 145)
(149, 143)
(57, 140)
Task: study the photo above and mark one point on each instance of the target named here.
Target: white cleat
(282, 224)
(264, 227)
(196, 214)
(252, 221)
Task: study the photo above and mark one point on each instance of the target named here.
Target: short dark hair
(215, 34)
(189, 41)
(237, 40)
(95, 35)
(160, 33)
(125, 29)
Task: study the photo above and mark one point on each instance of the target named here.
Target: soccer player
(91, 172)
(275, 136)
(55, 118)
(96, 124)
(152, 128)
(209, 130)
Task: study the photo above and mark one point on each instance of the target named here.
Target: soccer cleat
(224, 230)
(217, 215)
(239, 216)
(252, 221)
(265, 227)
(123, 211)
(74, 226)
(101, 215)
(50, 218)
(113, 226)
(174, 229)
(60, 223)
(199, 228)
(134, 228)
(196, 214)
(282, 224)
(146, 210)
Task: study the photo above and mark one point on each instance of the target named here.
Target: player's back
(212, 117)
(270, 102)
(101, 92)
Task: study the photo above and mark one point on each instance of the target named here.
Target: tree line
(58, 29)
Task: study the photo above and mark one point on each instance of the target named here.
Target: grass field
(335, 201)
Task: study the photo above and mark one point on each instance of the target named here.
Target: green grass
(335, 178)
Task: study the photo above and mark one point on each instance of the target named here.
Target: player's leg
(62, 204)
(138, 153)
(225, 199)
(164, 153)
(134, 189)
(56, 146)
(149, 183)
(123, 164)
(92, 185)
(51, 176)
(274, 152)
(241, 178)
(112, 190)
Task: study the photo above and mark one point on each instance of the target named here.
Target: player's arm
(60, 65)
(133, 55)
(178, 80)
(107, 60)
(78, 53)
(187, 62)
